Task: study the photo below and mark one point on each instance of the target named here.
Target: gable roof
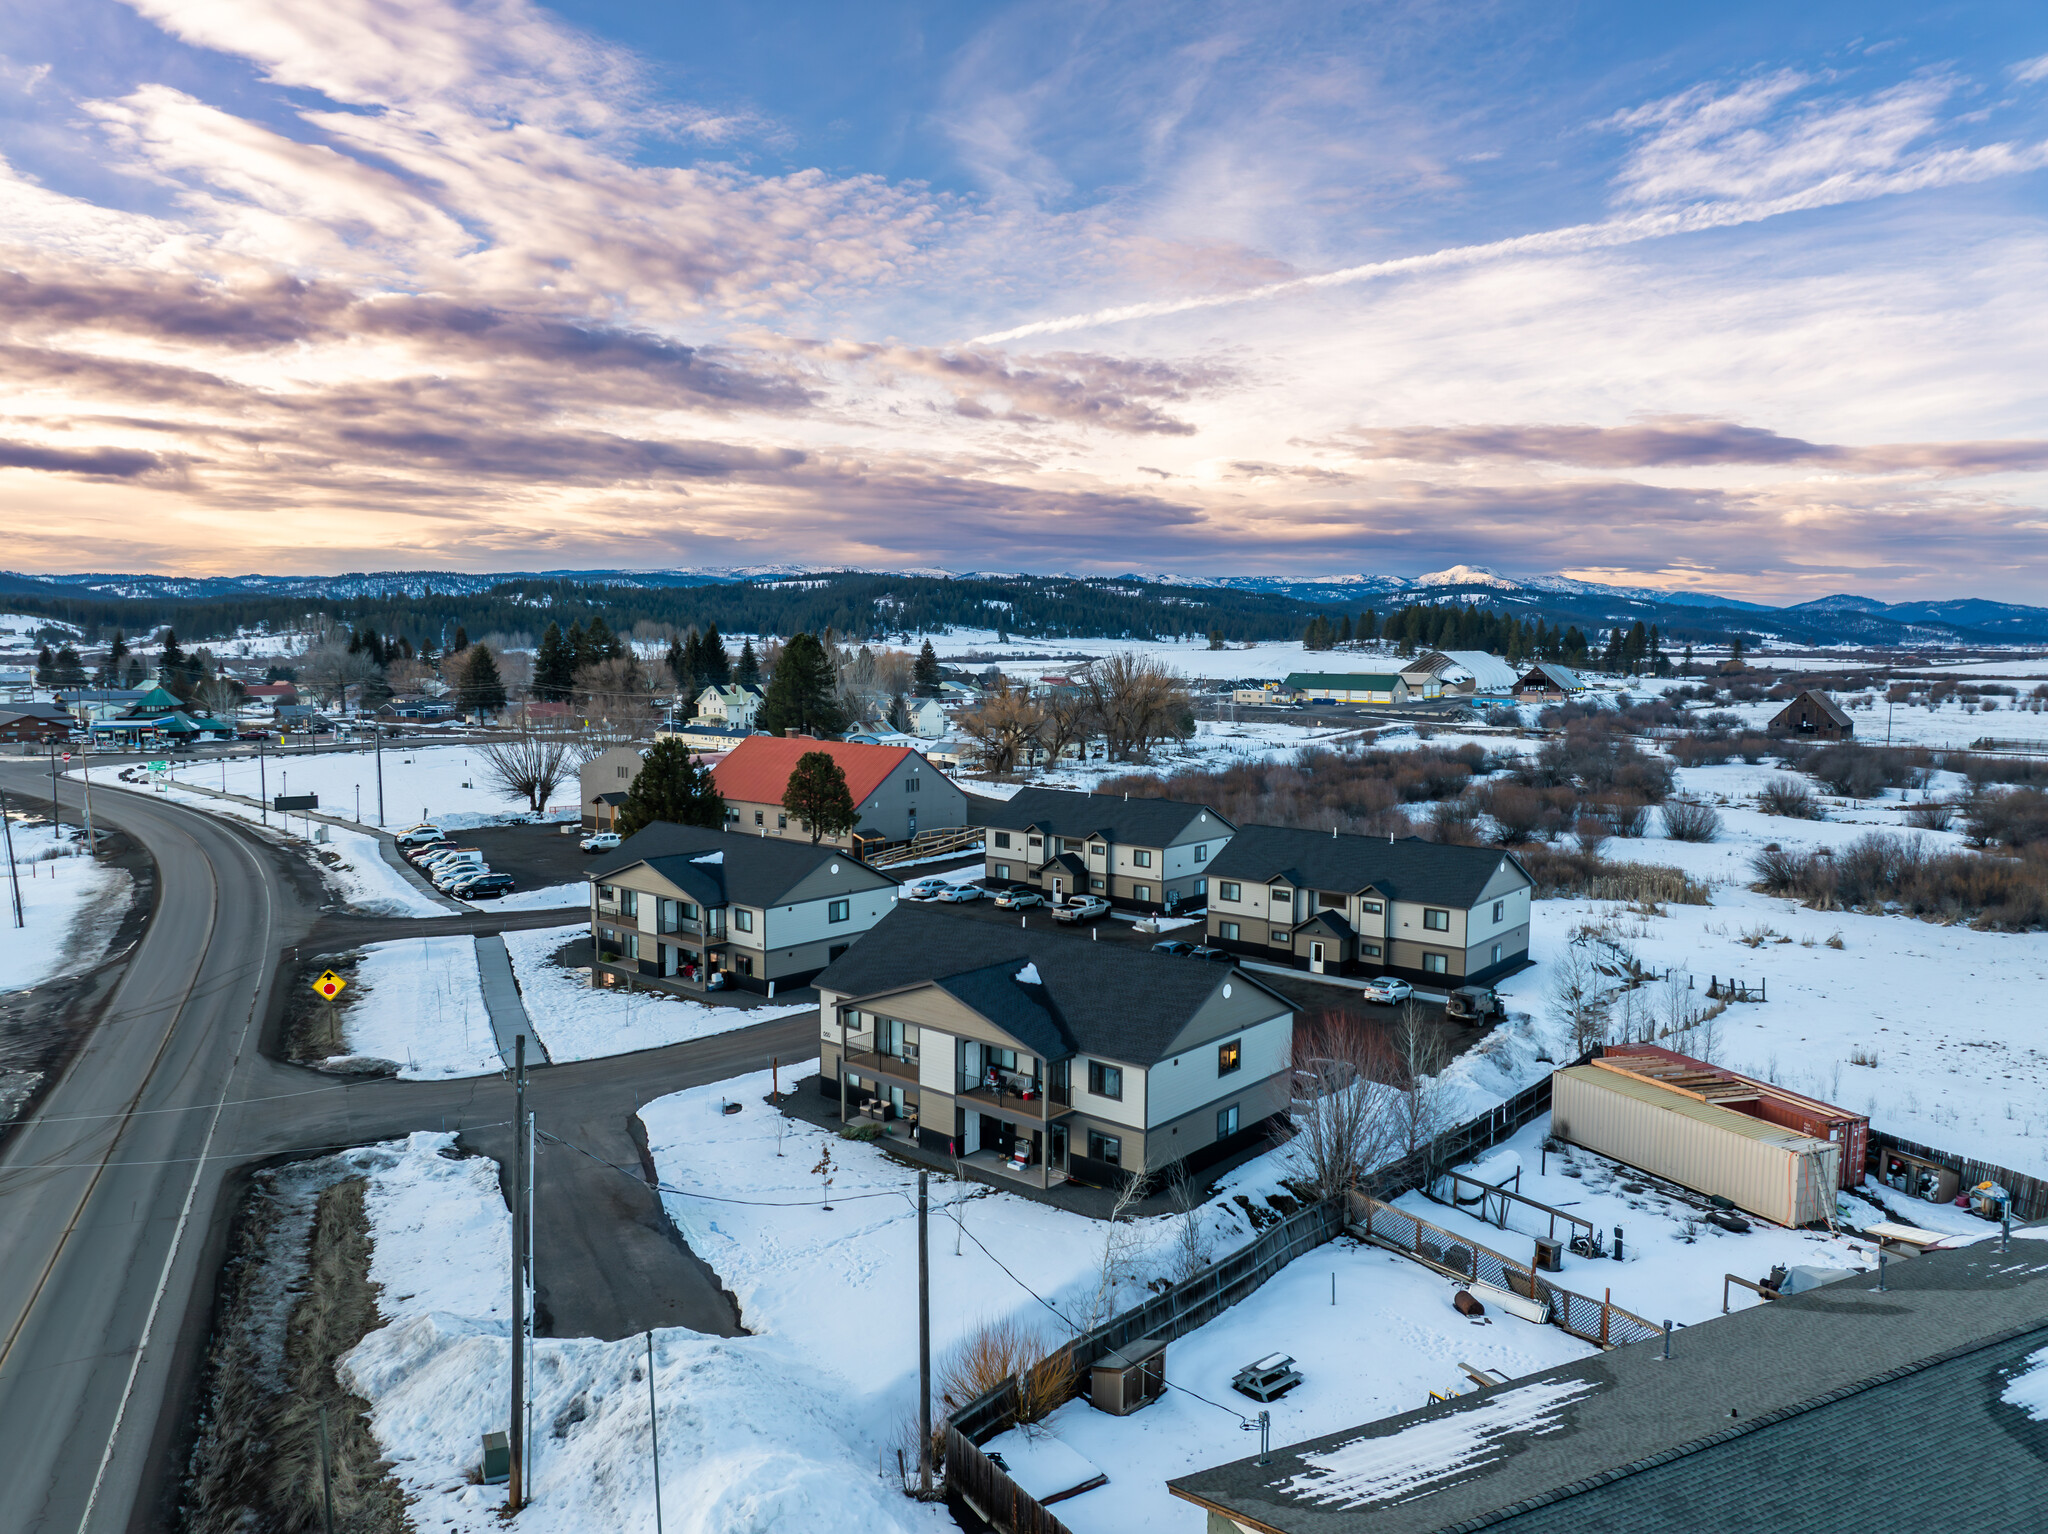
(1133, 821)
(1563, 678)
(747, 870)
(1408, 869)
(1489, 672)
(1344, 681)
(1791, 1414)
(758, 769)
(1116, 1000)
(1813, 697)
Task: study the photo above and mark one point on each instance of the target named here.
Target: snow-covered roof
(1489, 673)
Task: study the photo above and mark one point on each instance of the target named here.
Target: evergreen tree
(1368, 626)
(673, 786)
(713, 664)
(748, 670)
(601, 642)
(1688, 657)
(133, 679)
(925, 674)
(1735, 650)
(480, 689)
(579, 647)
(554, 667)
(110, 670)
(1344, 630)
(899, 715)
(1215, 639)
(170, 660)
(802, 695)
(461, 640)
(817, 793)
(46, 668)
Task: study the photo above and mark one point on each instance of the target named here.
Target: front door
(1315, 958)
(1056, 1143)
(913, 825)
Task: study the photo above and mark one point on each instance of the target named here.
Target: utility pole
(92, 847)
(326, 1474)
(262, 779)
(377, 737)
(515, 1440)
(924, 1349)
(532, 1169)
(654, 1431)
(13, 873)
(54, 821)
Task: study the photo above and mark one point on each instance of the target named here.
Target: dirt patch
(295, 1295)
(312, 1026)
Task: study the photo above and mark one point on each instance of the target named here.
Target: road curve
(105, 1193)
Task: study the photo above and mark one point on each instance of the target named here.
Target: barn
(1813, 713)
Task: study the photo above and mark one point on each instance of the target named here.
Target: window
(1226, 1122)
(1095, 884)
(1227, 930)
(910, 785)
(743, 963)
(1141, 857)
(606, 892)
(1003, 839)
(1436, 921)
(838, 910)
(1037, 843)
(630, 945)
(1105, 1148)
(1435, 963)
(629, 902)
(782, 822)
(1499, 909)
(759, 819)
(1229, 1056)
(1201, 852)
(623, 772)
(667, 916)
(1280, 895)
(1369, 950)
(743, 921)
(1141, 892)
(1225, 890)
(1496, 953)
(1106, 1080)
(1372, 907)
(1281, 936)
(1002, 870)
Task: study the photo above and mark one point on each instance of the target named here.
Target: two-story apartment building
(1142, 854)
(1429, 912)
(896, 792)
(1041, 1055)
(678, 904)
(603, 781)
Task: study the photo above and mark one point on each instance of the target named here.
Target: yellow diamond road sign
(330, 985)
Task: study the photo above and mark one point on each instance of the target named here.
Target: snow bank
(749, 1440)
(70, 909)
(444, 784)
(418, 1002)
(578, 1023)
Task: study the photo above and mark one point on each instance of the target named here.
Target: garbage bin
(1549, 1254)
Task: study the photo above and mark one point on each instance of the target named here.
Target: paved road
(114, 1200)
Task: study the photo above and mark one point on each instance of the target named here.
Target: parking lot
(536, 856)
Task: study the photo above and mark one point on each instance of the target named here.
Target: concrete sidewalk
(503, 1001)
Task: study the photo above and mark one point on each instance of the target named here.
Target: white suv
(601, 841)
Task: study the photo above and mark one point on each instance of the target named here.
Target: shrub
(2014, 817)
(1501, 717)
(1788, 797)
(1598, 758)
(1003, 1350)
(1624, 817)
(1688, 820)
(1576, 874)
(1931, 815)
(1883, 871)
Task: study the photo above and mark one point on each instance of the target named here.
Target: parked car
(445, 880)
(601, 841)
(961, 892)
(489, 887)
(420, 851)
(1081, 908)
(927, 888)
(252, 735)
(1016, 900)
(1388, 991)
(1474, 1004)
(419, 835)
(1213, 955)
(1173, 946)
(466, 857)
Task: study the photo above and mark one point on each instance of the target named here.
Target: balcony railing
(894, 1066)
(1019, 1097)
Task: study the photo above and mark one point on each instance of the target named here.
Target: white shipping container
(1779, 1174)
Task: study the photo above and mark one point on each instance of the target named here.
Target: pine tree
(925, 674)
(46, 668)
(899, 715)
(712, 661)
(579, 647)
(801, 696)
(1688, 657)
(110, 670)
(170, 661)
(1344, 630)
(817, 793)
(748, 670)
(461, 640)
(672, 786)
(600, 641)
(480, 690)
(554, 667)
(678, 670)
(1735, 651)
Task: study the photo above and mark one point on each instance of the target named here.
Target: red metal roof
(757, 770)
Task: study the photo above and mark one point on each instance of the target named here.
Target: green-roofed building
(1347, 687)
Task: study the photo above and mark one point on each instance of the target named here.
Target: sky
(1746, 298)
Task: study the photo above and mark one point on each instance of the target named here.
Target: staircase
(927, 844)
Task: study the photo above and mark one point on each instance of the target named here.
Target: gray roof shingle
(754, 870)
(1114, 1000)
(1408, 869)
(1133, 822)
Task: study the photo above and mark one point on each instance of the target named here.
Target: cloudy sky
(1749, 298)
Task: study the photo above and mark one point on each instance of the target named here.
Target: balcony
(1014, 1097)
(894, 1067)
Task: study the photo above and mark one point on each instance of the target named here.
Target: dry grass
(1002, 1350)
(1560, 872)
(1688, 820)
(1881, 872)
(1788, 797)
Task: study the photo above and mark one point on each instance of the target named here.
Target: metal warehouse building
(1778, 1173)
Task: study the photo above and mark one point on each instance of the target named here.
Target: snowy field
(552, 897)
(70, 907)
(418, 1003)
(578, 1023)
(444, 784)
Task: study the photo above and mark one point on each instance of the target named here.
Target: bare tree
(1136, 700)
(1422, 1051)
(1346, 1119)
(330, 669)
(1002, 727)
(1066, 719)
(1578, 1000)
(530, 764)
(1120, 1246)
(1191, 1242)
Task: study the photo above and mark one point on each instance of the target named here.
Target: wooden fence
(970, 1474)
(2029, 1194)
(1600, 1321)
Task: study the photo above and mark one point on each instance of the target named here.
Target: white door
(1315, 958)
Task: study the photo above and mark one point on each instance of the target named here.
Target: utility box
(497, 1459)
(1121, 1382)
(1777, 1173)
(1918, 1176)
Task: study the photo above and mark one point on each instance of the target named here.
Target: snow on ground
(1390, 1339)
(444, 784)
(418, 1003)
(578, 1023)
(1216, 746)
(70, 907)
(749, 1437)
(552, 897)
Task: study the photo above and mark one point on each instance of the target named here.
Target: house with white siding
(1040, 1055)
(1140, 854)
(1429, 912)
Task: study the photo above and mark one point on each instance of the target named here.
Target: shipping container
(1776, 1173)
(1746, 1094)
